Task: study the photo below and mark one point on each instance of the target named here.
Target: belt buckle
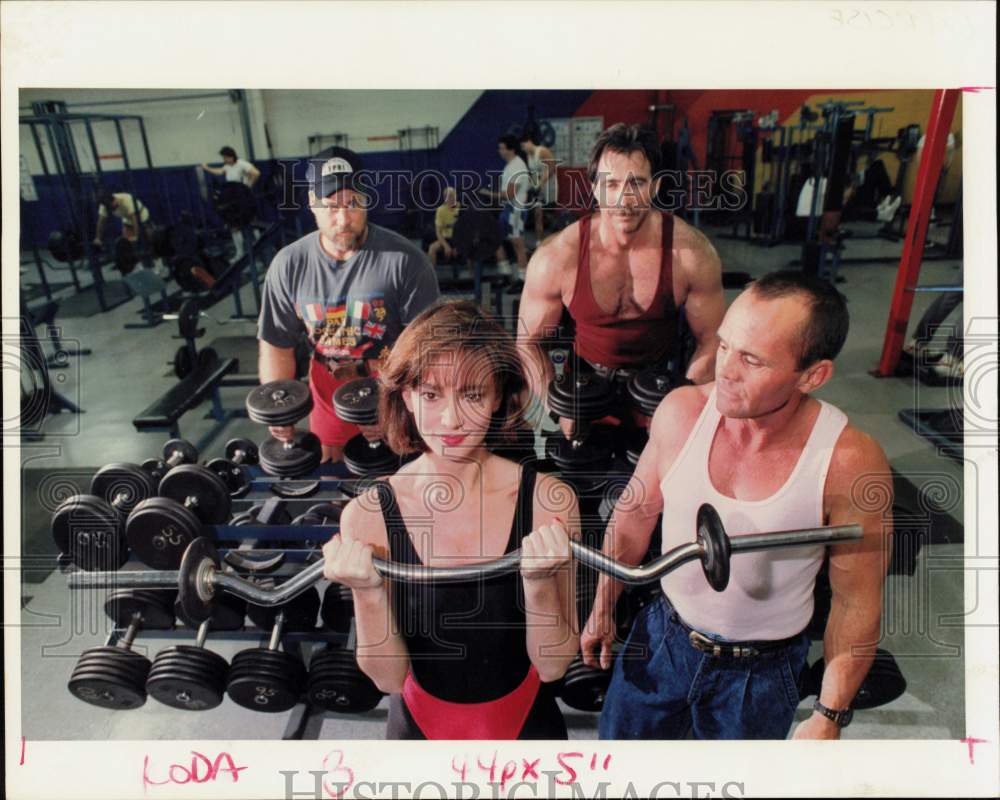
(701, 642)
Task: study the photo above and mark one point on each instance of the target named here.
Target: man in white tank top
(768, 456)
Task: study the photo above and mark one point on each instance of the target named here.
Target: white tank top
(770, 592)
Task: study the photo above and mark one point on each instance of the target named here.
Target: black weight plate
(185, 666)
(183, 240)
(337, 610)
(187, 452)
(188, 317)
(235, 204)
(243, 518)
(260, 693)
(206, 358)
(301, 457)
(227, 612)
(649, 386)
(591, 455)
(185, 693)
(192, 606)
(184, 362)
(127, 664)
(287, 674)
(711, 535)
(243, 449)
(205, 492)
(123, 485)
(122, 606)
(279, 402)
(583, 398)
(156, 468)
(89, 531)
(357, 401)
(184, 270)
(233, 475)
(159, 530)
(351, 692)
(189, 653)
(883, 683)
(328, 511)
(59, 245)
(129, 671)
(369, 459)
(584, 687)
(98, 691)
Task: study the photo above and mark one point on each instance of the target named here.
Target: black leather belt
(704, 644)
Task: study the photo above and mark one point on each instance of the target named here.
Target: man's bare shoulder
(679, 411)
(560, 248)
(857, 454)
(693, 249)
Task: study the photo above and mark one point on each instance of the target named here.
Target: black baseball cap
(334, 169)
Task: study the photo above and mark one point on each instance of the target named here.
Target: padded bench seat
(197, 387)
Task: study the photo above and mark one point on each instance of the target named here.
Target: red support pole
(938, 125)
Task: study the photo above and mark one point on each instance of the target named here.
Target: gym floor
(129, 369)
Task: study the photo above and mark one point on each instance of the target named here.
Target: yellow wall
(911, 106)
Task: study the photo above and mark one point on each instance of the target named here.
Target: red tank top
(603, 338)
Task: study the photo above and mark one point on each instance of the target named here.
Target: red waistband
(502, 718)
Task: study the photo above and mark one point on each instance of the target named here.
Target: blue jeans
(662, 687)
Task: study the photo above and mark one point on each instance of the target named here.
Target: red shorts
(323, 421)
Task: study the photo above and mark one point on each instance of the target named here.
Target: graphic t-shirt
(351, 310)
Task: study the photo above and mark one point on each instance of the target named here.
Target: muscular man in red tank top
(623, 272)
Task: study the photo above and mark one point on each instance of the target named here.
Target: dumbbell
(239, 453)
(356, 402)
(271, 512)
(583, 398)
(321, 514)
(266, 678)
(160, 529)
(336, 682)
(190, 677)
(648, 387)
(583, 687)
(115, 676)
(883, 683)
(175, 453)
(90, 528)
(281, 404)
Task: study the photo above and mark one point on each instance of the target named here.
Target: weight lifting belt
(501, 718)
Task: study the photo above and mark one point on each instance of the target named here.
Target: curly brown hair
(433, 338)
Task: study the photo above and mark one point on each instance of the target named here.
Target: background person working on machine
(235, 170)
(125, 207)
(622, 272)
(767, 456)
(474, 659)
(351, 286)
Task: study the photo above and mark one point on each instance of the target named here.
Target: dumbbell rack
(324, 486)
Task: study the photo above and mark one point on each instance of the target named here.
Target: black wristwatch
(842, 718)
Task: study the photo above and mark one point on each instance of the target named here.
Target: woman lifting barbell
(473, 659)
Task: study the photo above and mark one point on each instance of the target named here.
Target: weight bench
(202, 384)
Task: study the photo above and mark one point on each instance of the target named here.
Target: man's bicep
(705, 303)
(541, 301)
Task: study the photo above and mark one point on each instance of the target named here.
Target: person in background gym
(126, 207)
(444, 226)
(476, 659)
(768, 456)
(351, 286)
(623, 272)
(544, 189)
(515, 181)
(234, 168)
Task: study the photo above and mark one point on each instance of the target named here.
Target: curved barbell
(201, 575)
